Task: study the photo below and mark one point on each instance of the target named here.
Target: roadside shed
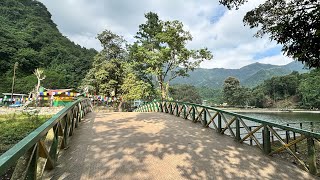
(60, 97)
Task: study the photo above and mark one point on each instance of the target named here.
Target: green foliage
(14, 127)
(185, 93)
(134, 88)
(161, 48)
(233, 93)
(29, 36)
(250, 75)
(212, 96)
(293, 23)
(310, 90)
(107, 73)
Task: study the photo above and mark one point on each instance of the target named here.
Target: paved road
(162, 146)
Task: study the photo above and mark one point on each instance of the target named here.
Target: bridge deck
(162, 146)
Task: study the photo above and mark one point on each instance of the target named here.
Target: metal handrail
(64, 122)
(288, 128)
(266, 131)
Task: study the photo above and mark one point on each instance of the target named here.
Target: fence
(39, 151)
(271, 138)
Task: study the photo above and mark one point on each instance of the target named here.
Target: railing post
(171, 110)
(32, 171)
(250, 129)
(193, 113)
(266, 140)
(184, 111)
(204, 118)
(177, 110)
(157, 106)
(238, 138)
(219, 123)
(311, 156)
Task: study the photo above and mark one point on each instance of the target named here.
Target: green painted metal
(266, 140)
(238, 138)
(269, 129)
(32, 141)
(219, 123)
(311, 156)
(302, 131)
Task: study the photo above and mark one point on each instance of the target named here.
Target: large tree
(233, 93)
(106, 75)
(160, 50)
(295, 24)
(185, 93)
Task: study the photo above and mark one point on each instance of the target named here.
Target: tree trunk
(13, 78)
(37, 93)
(120, 106)
(163, 91)
(162, 88)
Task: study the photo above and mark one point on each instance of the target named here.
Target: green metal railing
(271, 138)
(38, 152)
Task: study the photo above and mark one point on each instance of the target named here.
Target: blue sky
(268, 52)
(210, 24)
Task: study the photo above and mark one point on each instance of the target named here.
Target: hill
(249, 76)
(29, 36)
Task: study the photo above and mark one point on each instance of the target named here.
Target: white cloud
(277, 60)
(211, 25)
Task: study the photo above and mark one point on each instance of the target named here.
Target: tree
(29, 36)
(13, 78)
(293, 23)
(106, 75)
(212, 96)
(309, 89)
(134, 88)
(185, 93)
(233, 93)
(40, 76)
(160, 50)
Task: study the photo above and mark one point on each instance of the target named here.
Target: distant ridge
(249, 76)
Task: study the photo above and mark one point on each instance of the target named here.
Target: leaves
(160, 50)
(29, 36)
(295, 24)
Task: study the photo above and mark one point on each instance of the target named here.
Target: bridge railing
(271, 138)
(38, 152)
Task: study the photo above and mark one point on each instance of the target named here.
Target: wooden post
(311, 156)
(266, 140)
(219, 123)
(184, 112)
(238, 138)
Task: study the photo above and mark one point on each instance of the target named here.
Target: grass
(14, 127)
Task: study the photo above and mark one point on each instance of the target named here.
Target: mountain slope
(250, 75)
(29, 36)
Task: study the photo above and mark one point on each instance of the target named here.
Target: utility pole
(13, 78)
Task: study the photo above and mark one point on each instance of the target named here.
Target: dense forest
(145, 69)
(290, 91)
(29, 37)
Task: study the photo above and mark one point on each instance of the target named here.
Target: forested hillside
(250, 75)
(29, 36)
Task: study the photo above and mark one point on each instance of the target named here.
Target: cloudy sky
(210, 24)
